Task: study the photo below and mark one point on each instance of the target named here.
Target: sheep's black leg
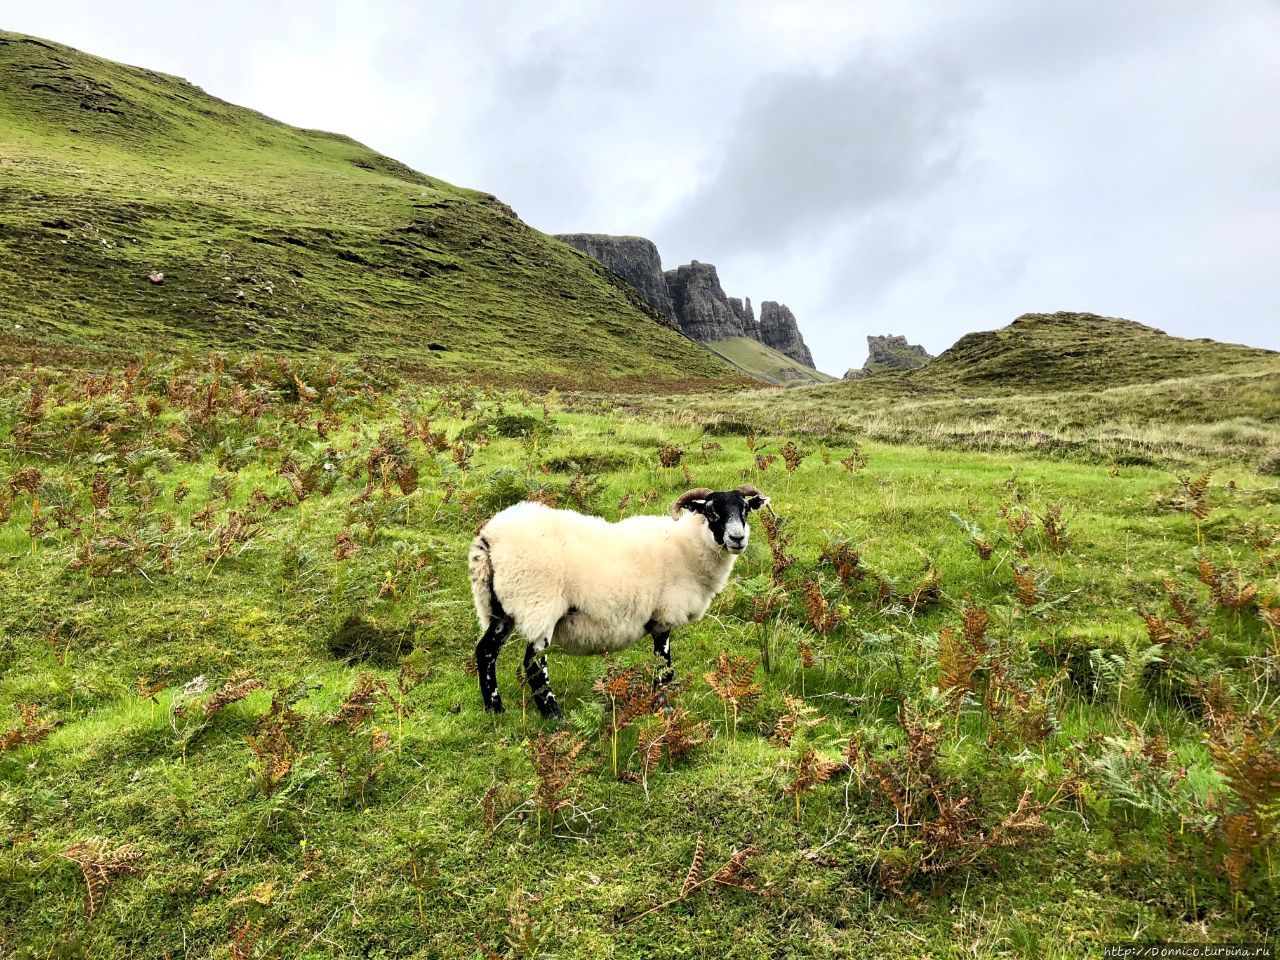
(487, 660)
(662, 648)
(535, 671)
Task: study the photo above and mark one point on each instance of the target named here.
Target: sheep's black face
(726, 515)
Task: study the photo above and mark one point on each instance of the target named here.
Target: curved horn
(751, 493)
(682, 501)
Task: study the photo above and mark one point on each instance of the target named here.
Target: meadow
(1016, 701)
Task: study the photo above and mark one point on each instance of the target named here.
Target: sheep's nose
(735, 541)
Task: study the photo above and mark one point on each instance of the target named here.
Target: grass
(279, 239)
(244, 519)
(1076, 351)
(762, 362)
(1064, 386)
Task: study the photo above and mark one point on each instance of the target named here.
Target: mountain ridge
(270, 237)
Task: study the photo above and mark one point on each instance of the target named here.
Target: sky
(925, 169)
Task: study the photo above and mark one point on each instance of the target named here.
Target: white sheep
(586, 585)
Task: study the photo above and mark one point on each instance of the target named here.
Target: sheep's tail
(481, 567)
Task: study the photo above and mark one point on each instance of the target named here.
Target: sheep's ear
(757, 502)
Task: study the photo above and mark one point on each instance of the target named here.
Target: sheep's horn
(682, 501)
(747, 490)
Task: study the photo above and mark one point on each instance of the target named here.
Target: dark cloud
(809, 152)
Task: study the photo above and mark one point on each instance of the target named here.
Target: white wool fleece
(592, 586)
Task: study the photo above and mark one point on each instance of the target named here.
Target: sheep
(585, 585)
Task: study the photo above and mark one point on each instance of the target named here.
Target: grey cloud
(809, 152)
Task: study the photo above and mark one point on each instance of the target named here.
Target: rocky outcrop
(700, 304)
(778, 329)
(890, 353)
(634, 259)
(741, 307)
(692, 297)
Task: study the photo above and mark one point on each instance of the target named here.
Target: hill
(762, 362)
(1074, 386)
(1057, 351)
(275, 238)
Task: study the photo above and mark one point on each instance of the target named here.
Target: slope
(764, 363)
(1058, 351)
(274, 238)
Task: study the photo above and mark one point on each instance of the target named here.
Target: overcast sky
(925, 169)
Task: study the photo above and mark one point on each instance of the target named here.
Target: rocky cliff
(700, 303)
(635, 259)
(890, 353)
(741, 307)
(778, 329)
(691, 295)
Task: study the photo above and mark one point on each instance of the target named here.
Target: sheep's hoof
(552, 713)
(494, 707)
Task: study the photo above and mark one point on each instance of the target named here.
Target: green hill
(1059, 351)
(274, 238)
(1066, 385)
(762, 362)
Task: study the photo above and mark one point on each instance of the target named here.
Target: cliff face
(778, 329)
(700, 304)
(741, 307)
(890, 353)
(692, 297)
(635, 259)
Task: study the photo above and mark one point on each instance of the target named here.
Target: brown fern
(1249, 764)
(734, 872)
(1055, 529)
(236, 688)
(822, 616)
(359, 703)
(1026, 585)
(556, 769)
(694, 875)
(779, 540)
(99, 865)
(30, 729)
(244, 935)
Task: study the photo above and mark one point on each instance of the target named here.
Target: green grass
(432, 846)
(1076, 351)
(280, 239)
(1065, 386)
(764, 363)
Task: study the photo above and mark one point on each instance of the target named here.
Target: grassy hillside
(987, 704)
(274, 238)
(762, 362)
(1065, 351)
(1061, 385)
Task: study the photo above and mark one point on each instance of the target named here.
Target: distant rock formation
(778, 329)
(691, 295)
(890, 353)
(741, 307)
(701, 305)
(634, 259)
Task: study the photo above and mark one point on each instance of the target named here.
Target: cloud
(925, 169)
(809, 153)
